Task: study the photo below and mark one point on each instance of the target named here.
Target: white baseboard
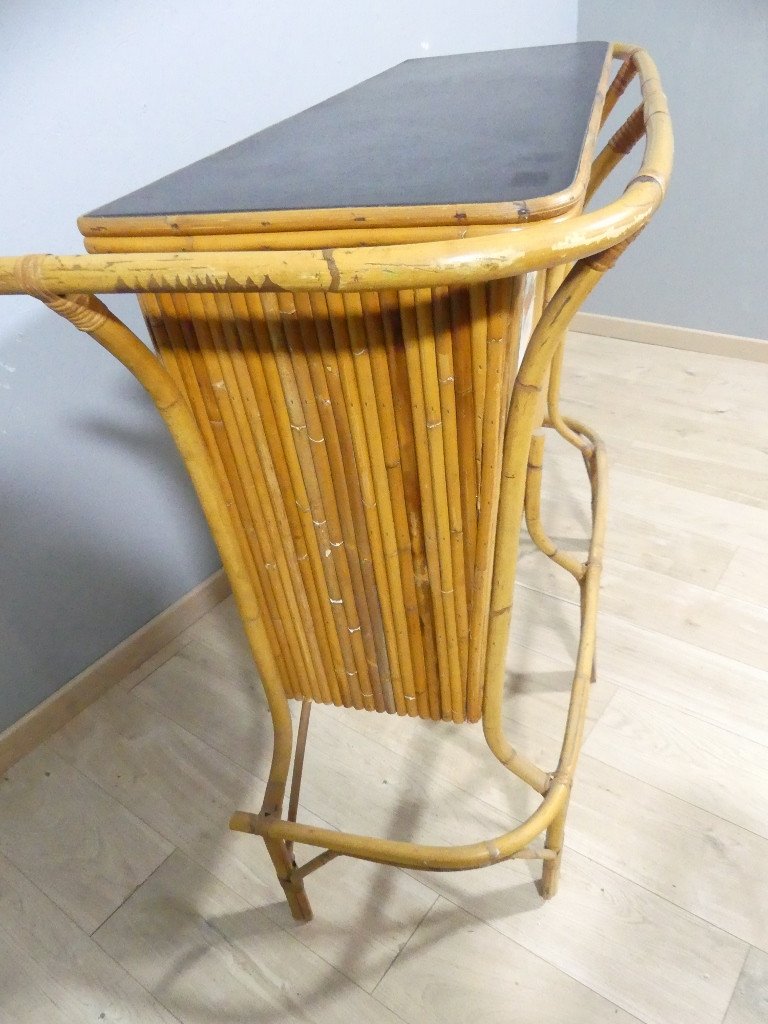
(687, 338)
(54, 712)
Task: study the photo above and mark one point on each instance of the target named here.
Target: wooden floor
(123, 897)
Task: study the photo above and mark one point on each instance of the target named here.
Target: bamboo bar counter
(359, 317)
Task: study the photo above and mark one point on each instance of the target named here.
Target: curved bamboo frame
(364, 280)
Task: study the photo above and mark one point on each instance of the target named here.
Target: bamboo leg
(298, 763)
(291, 881)
(281, 851)
(590, 463)
(550, 875)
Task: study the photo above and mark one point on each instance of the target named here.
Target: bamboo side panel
(357, 441)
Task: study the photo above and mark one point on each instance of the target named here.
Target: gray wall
(100, 530)
(701, 263)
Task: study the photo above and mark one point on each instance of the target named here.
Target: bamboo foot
(550, 877)
(293, 884)
(298, 901)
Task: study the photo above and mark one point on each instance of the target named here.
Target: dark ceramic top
(497, 127)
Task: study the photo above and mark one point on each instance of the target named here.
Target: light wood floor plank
(617, 938)
(750, 1000)
(187, 791)
(747, 576)
(78, 845)
(457, 969)
(693, 858)
(52, 972)
(693, 760)
(674, 672)
(209, 956)
(675, 507)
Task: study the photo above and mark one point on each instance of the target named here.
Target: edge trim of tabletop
(368, 217)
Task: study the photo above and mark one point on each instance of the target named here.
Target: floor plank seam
(550, 963)
(675, 796)
(690, 712)
(134, 890)
(619, 563)
(687, 712)
(402, 949)
(675, 639)
(736, 984)
(652, 892)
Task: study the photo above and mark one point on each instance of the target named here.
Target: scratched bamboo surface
(358, 442)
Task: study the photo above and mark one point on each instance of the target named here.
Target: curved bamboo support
(90, 315)
(420, 609)
(407, 854)
(618, 146)
(537, 533)
(618, 86)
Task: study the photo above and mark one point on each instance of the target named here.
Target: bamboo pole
(385, 401)
(499, 304)
(232, 316)
(341, 364)
(324, 501)
(465, 426)
(616, 89)
(450, 459)
(411, 343)
(434, 458)
(389, 304)
(266, 384)
(478, 318)
(317, 340)
(617, 147)
(276, 241)
(521, 422)
(406, 854)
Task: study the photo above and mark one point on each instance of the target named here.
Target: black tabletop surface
(496, 127)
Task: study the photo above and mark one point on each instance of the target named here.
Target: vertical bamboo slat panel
(357, 438)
